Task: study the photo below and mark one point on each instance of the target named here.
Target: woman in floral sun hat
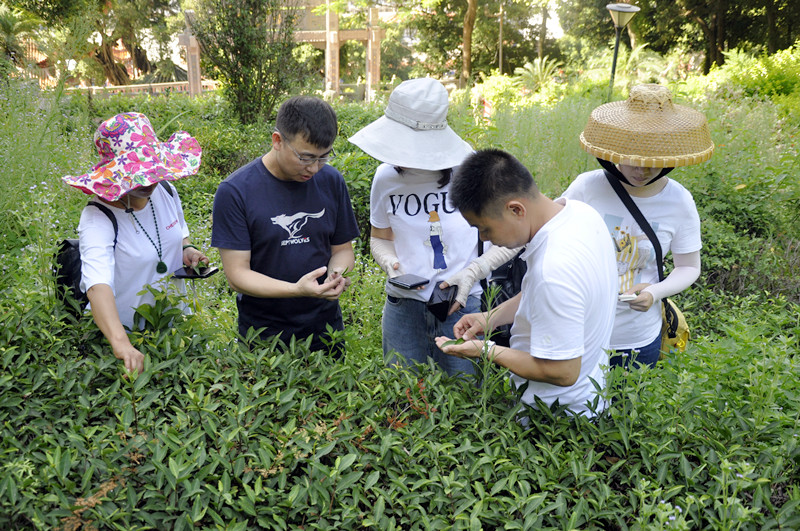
(133, 232)
(637, 142)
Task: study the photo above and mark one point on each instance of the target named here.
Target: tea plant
(215, 434)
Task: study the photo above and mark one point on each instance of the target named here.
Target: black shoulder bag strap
(110, 215)
(626, 199)
(484, 281)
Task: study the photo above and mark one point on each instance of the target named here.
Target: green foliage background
(213, 435)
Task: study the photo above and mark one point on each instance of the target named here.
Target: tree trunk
(140, 60)
(710, 44)
(772, 31)
(632, 37)
(719, 19)
(466, 43)
(115, 72)
(542, 33)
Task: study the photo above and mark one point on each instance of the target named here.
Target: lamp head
(621, 14)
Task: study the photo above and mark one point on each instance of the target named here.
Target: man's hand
(308, 286)
(339, 272)
(472, 325)
(466, 349)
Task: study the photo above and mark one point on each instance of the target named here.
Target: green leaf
(458, 341)
(346, 462)
(380, 506)
(372, 479)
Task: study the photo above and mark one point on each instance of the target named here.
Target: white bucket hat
(413, 132)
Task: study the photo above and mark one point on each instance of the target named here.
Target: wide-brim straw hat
(132, 157)
(413, 132)
(648, 130)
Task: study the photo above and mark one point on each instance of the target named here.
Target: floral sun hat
(132, 157)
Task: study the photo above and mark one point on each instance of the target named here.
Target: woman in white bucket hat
(414, 227)
(639, 141)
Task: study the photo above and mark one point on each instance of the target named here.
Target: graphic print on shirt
(633, 249)
(435, 242)
(293, 223)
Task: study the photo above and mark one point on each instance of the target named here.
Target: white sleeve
(687, 270)
(96, 235)
(378, 217)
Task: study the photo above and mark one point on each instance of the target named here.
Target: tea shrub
(215, 435)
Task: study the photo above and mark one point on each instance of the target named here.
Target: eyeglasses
(309, 161)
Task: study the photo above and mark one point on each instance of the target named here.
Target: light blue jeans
(409, 329)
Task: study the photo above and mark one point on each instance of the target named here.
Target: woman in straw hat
(148, 238)
(415, 229)
(639, 141)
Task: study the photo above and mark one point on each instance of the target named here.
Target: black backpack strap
(168, 187)
(484, 281)
(110, 215)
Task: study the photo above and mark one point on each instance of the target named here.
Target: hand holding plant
(472, 325)
(346, 274)
(460, 347)
(130, 356)
(193, 257)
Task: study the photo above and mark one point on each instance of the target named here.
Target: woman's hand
(644, 299)
(130, 356)
(193, 256)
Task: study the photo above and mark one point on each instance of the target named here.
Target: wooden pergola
(330, 40)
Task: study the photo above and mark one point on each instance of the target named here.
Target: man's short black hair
(486, 178)
(312, 119)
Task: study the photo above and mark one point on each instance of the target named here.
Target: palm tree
(16, 26)
(537, 74)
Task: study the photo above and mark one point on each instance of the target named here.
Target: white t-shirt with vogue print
(431, 238)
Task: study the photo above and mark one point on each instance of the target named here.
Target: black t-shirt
(289, 228)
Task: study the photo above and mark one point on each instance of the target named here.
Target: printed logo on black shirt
(293, 223)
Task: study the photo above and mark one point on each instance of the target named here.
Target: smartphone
(627, 297)
(189, 272)
(408, 281)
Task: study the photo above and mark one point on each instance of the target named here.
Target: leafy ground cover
(216, 436)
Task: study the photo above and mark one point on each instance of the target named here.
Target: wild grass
(214, 435)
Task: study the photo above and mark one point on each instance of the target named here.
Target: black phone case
(408, 281)
(189, 273)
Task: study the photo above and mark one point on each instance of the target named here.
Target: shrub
(213, 435)
(250, 44)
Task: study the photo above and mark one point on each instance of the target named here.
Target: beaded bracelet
(190, 245)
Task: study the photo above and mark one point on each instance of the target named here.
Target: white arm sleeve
(385, 255)
(478, 269)
(687, 270)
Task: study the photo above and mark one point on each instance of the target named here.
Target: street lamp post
(621, 14)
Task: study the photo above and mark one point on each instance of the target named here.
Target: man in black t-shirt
(284, 227)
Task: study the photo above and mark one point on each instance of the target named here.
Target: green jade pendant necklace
(161, 267)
